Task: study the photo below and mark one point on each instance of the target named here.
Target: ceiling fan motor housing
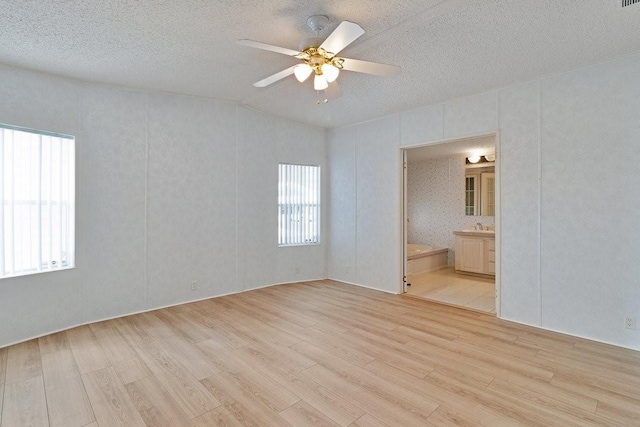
(317, 60)
(310, 42)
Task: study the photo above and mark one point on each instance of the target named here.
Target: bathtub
(423, 258)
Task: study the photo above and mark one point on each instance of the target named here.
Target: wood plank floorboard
(368, 421)
(88, 353)
(23, 362)
(3, 363)
(318, 353)
(302, 414)
(54, 342)
(219, 417)
(25, 403)
(114, 347)
(154, 403)
(67, 400)
(111, 403)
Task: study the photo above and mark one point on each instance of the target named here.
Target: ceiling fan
(319, 57)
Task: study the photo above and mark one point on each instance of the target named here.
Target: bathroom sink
(480, 231)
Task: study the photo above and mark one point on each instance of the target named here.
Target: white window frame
(37, 194)
(299, 204)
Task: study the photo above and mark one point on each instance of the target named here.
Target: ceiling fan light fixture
(319, 56)
(320, 82)
(330, 72)
(302, 72)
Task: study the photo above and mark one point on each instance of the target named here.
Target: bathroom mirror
(480, 190)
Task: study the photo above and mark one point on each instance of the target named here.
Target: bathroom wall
(435, 202)
(170, 189)
(568, 231)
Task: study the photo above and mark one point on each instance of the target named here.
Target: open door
(405, 222)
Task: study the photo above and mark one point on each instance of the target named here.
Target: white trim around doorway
(498, 212)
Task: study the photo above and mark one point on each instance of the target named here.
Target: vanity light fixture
(490, 157)
(473, 159)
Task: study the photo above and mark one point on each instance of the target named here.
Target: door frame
(498, 213)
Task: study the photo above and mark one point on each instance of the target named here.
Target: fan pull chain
(321, 101)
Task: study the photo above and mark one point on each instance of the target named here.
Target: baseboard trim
(151, 309)
(363, 286)
(289, 283)
(570, 334)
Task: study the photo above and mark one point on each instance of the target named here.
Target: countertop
(476, 233)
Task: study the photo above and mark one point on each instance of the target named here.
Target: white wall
(570, 217)
(170, 189)
(363, 217)
(435, 202)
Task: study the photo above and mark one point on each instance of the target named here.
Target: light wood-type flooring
(462, 290)
(318, 353)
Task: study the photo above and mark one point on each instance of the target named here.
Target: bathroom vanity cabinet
(475, 252)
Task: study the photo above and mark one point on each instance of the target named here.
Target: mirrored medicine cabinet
(480, 190)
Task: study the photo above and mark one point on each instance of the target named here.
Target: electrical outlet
(297, 270)
(347, 268)
(194, 286)
(630, 323)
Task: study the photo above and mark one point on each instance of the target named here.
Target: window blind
(298, 205)
(37, 219)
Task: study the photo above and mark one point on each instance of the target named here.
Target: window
(37, 219)
(298, 205)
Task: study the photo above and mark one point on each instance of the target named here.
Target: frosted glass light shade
(302, 72)
(330, 72)
(473, 159)
(320, 82)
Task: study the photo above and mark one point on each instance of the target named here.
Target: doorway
(451, 217)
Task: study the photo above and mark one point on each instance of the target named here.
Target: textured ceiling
(447, 49)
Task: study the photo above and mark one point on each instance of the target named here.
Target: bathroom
(451, 201)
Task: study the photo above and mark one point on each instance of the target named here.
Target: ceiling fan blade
(342, 36)
(333, 91)
(375, 68)
(269, 47)
(274, 78)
